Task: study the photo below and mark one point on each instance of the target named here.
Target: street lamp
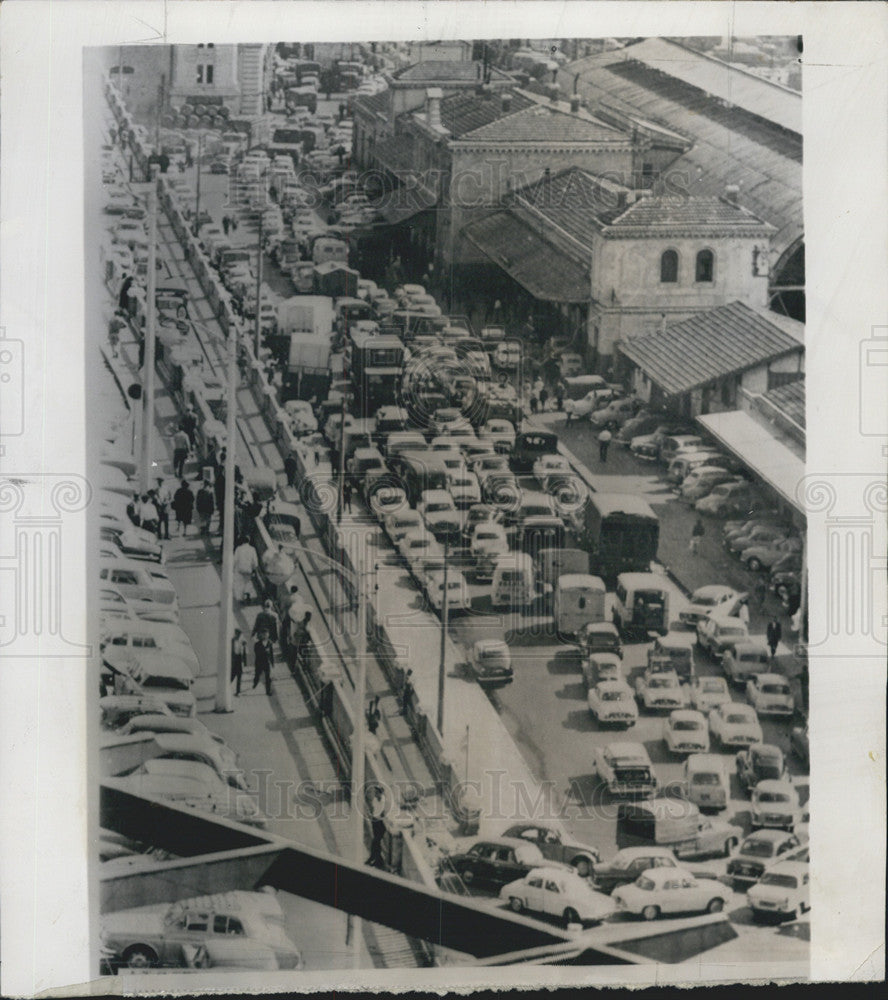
(444, 623)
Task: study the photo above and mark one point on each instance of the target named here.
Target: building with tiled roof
(701, 364)
(542, 123)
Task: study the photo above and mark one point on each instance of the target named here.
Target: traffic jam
(522, 501)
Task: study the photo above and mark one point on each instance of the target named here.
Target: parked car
(625, 769)
(490, 663)
(615, 413)
(757, 557)
(169, 935)
(140, 581)
(758, 852)
(612, 703)
(770, 694)
(700, 482)
(781, 891)
(657, 691)
(745, 659)
(670, 891)
(556, 893)
(387, 498)
(729, 499)
(549, 469)
(402, 521)
(439, 512)
(489, 541)
(433, 580)
(718, 634)
(501, 432)
(735, 724)
(463, 488)
(760, 762)
(494, 863)
(627, 864)
(641, 424)
(798, 741)
(648, 446)
(478, 513)
(131, 543)
(706, 780)
(762, 534)
(707, 693)
(709, 600)
(775, 805)
(418, 544)
(685, 731)
(555, 845)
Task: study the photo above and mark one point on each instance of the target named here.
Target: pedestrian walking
(219, 492)
(407, 692)
(291, 467)
(347, 494)
(123, 294)
(205, 508)
(115, 325)
(604, 440)
(148, 513)
(238, 659)
(246, 562)
(234, 223)
(697, 532)
(761, 592)
(162, 501)
(377, 827)
(267, 622)
(373, 715)
(743, 613)
(773, 634)
(183, 507)
(544, 398)
(181, 450)
(134, 509)
(263, 661)
(226, 224)
(112, 134)
(188, 423)
(559, 396)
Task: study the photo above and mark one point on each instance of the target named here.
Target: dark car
(761, 762)
(798, 741)
(758, 852)
(555, 847)
(494, 863)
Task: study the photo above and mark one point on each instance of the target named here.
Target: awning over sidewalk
(524, 255)
(403, 203)
(755, 445)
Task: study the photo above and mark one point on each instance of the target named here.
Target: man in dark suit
(263, 652)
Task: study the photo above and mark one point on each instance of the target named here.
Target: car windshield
(436, 507)
(738, 718)
(776, 878)
(705, 779)
(706, 602)
(757, 849)
(775, 689)
(660, 682)
(643, 882)
(612, 696)
(486, 536)
(686, 725)
(729, 631)
(772, 797)
(711, 687)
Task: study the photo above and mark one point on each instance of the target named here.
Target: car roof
(774, 785)
(774, 836)
(628, 749)
(729, 620)
(736, 706)
(797, 868)
(766, 750)
(628, 853)
(705, 762)
(711, 590)
(687, 715)
(613, 685)
(661, 874)
(771, 679)
(585, 581)
(680, 640)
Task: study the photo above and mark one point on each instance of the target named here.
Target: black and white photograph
(449, 605)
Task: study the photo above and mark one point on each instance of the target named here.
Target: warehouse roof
(465, 111)
(710, 345)
(543, 123)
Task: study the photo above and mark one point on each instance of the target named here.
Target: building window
(705, 265)
(205, 74)
(200, 70)
(729, 392)
(669, 266)
(209, 74)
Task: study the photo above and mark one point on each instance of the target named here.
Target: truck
(305, 322)
(621, 534)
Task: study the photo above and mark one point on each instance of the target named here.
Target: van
(579, 598)
(685, 462)
(641, 603)
(420, 471)
(673, 651)
(389, 419)
(400, 441)
(706, 781)
(514, 582)
(529, 446)
(672, 444)
(533, 503)
(366, 460)
(581, 385)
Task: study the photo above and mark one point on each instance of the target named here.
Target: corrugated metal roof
(521, 252)
(789, 399)
(770, 100)
(711, 345)
(543, 123)
(729, 146)
(465, 111)
(757, 448)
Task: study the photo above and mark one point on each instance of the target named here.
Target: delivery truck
(305, 324)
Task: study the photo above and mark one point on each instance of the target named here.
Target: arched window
(669, 266)
(705, 265)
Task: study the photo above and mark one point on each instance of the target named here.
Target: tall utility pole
(160, 91)
(357, 798)
(196, 227)
(226, 619)
(258, 326)
(441, 664)
(148, 357)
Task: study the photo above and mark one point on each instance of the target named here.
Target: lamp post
(257, 328)
(147, 429)
(196, 227)
(226, 619)
(441, 662)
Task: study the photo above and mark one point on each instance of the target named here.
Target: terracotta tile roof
(446, 69)
(680, 211)
(465, 111)
(373, 103)
(711, 345)
(542, 123)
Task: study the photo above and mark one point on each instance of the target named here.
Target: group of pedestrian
(150, 510)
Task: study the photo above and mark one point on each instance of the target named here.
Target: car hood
(143, 922)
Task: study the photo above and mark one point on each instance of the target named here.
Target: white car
(418, 544)
(547, 467)
(507, 355)
(612, 703)
(501, 432)
(558, 893)
(489, 541)
(398, 524)
(707, 693)
(115, 604)
(661, 690)
(718, 635)
(457, 589)
(685, 731)
(706, 600)
(463, 487)
(735, 724)
(775, 806)
(437, 509)
(301, 416)
(670, 891)
(781, 891)
(770, 694)
(388, 499)
(141, 581)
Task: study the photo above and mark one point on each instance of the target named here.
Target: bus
(375, 362)
(621, 533)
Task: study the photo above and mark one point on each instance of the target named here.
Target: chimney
(507, 102)
(433, 106)
(575, 103)
(732, 194)
(554, 92)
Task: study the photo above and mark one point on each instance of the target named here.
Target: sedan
(488, 542)
(501, 432)
(762, 535)
(759, 852)
(706, 600)
(758, 557)
(670, 891)
(760, 762)
(463, 487)
(490, 663)
(612, 703)
(685, 731)
(549, 467)
(717, 635)
(770, 694)
(458, 598)
(707, 693)
(781, 892)
(446, 420)
(562, 894)
(416, 544)
(133, 543)
(555, 846)
(495, 863)
(398, 524)
(386, 500)
(735, 724)
(775, 805)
